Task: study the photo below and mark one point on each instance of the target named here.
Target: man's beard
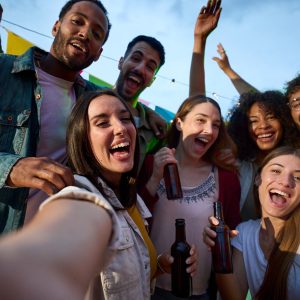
(59, 45)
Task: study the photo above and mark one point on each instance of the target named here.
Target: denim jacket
(126, 275)
(20, 102)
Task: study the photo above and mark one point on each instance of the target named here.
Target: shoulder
(247, 236)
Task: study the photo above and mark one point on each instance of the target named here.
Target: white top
(195, 207)
(57, 101)
(247, 242)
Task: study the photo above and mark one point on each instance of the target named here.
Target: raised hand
(40, 173)
(223, 60)
(208, 18)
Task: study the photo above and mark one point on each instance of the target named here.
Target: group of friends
(83, 206)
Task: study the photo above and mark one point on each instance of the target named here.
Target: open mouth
(265, 136)
(278, 197)
(134, 81)
(79, 46)
(201, 141)
(120, 149)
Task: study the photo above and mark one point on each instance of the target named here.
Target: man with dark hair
(38, 90)
(1, 11)
(142, 59)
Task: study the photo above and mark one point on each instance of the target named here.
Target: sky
(261, 39)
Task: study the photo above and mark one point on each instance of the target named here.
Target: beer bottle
(172, 181)
(221, 252)
(180, 250)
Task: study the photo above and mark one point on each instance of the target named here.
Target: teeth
(274, 191)
(137, 80)
(266, 135)
(120, 145)
(204, 140)
(79, 46)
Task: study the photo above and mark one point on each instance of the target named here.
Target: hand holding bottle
(209, 235)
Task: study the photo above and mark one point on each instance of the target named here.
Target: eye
(297, 178)
(76, 21)
(275, 171)
(126, 120)
(98, 35)
(252, 121)
(102, 124)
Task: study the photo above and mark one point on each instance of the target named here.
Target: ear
(152, 80)
(257, 180)
(178, 124)
(98, 54)
(56, 27)
(121, 61)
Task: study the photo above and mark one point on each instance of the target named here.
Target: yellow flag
(16, 45)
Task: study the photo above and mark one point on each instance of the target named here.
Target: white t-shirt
(58, 98)
(247, 242)
(195, 207)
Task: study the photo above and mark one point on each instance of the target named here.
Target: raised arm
(239, 83)
(207, 21)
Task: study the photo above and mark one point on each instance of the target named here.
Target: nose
(85, 32)
(263, 123)
(140, 68)
(287, 180)
(119, 128)
(208, 128)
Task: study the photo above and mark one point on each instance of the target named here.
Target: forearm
(197, 71)
(58, 253)
(241, 85)
(228, 287)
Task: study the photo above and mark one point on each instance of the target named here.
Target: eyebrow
(104, 115)
(282, 166)
(207, 116)
(86, 17)
(142, 54)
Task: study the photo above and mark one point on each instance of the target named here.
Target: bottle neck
(218, 212)
(180, 233)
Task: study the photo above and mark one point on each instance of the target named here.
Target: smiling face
(199, 130)
(264, 128)
(279, 191)
(137, 70)
(294, 101)
(112, 136)
(79, 35)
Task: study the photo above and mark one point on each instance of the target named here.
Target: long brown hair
(223, 140)
(81, 158)
(275, 282)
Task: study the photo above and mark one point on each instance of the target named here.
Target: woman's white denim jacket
(127, 274)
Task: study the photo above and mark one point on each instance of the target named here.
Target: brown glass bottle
(180, 250)
(221, 252)
(172, 181)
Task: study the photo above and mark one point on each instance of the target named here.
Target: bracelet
(159, 265)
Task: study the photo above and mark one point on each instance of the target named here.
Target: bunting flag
(99, 81)
(16, 45)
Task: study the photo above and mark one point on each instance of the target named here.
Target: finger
(44, 185)
(202, 11)
(217, 6)
(53, 178)
(213, 221)
(63, 173)
(216, 59)
(233, 233)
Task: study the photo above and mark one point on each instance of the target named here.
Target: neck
(56, 68)
(185, 160)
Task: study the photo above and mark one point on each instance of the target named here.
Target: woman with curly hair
(258, 124)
